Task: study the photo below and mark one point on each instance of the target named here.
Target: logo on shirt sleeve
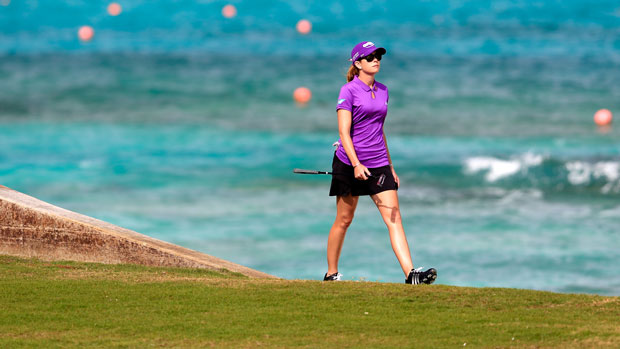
(340, 101)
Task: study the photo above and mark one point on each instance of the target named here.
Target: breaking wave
(540, 171)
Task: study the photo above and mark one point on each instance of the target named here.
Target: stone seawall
(32, 228)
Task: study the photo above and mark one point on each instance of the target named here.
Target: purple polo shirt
(367, 117)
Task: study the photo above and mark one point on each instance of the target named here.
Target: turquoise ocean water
(179, 124)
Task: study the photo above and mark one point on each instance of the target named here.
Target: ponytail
(352, 72)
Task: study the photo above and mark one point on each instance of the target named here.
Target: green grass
(60, 304)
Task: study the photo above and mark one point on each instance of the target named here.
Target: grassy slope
(77, 304)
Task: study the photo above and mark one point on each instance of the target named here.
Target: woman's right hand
(361, 172)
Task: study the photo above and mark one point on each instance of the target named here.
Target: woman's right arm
(344, 128)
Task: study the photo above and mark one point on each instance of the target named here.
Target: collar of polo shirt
(363, 84)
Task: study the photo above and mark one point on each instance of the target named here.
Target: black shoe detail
(333, 277)
(417, 276)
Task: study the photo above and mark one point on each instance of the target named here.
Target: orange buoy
(302, 95)
(114, 9)
(603, 117)
(86, 33)
(229, 11)
(304, 26)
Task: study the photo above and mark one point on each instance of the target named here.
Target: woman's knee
(393, 215)
(345, 219)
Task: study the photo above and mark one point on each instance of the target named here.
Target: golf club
(300, 171)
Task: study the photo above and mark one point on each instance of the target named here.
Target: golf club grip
(300, 171)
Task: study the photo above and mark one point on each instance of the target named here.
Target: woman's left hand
(396, 179)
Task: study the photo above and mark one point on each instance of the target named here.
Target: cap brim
(381, 50)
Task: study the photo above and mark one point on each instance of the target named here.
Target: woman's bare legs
(387, 203)
(344, 216)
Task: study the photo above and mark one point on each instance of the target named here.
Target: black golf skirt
(344, 183)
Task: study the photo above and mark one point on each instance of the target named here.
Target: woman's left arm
(390, 160)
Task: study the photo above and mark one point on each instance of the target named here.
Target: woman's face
(372, 66)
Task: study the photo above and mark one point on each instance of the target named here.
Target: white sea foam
(582, 173)
(499, 168)
(578, 172)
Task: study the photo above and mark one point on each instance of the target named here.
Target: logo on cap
(368, 44)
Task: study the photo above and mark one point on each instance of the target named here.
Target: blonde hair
(352, 72)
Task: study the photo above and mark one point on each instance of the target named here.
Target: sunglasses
(371, 57)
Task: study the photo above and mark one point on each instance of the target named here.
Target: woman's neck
(368, 79)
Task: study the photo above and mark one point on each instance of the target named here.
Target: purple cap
(363, 49)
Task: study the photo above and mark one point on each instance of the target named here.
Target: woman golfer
(362, 163)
